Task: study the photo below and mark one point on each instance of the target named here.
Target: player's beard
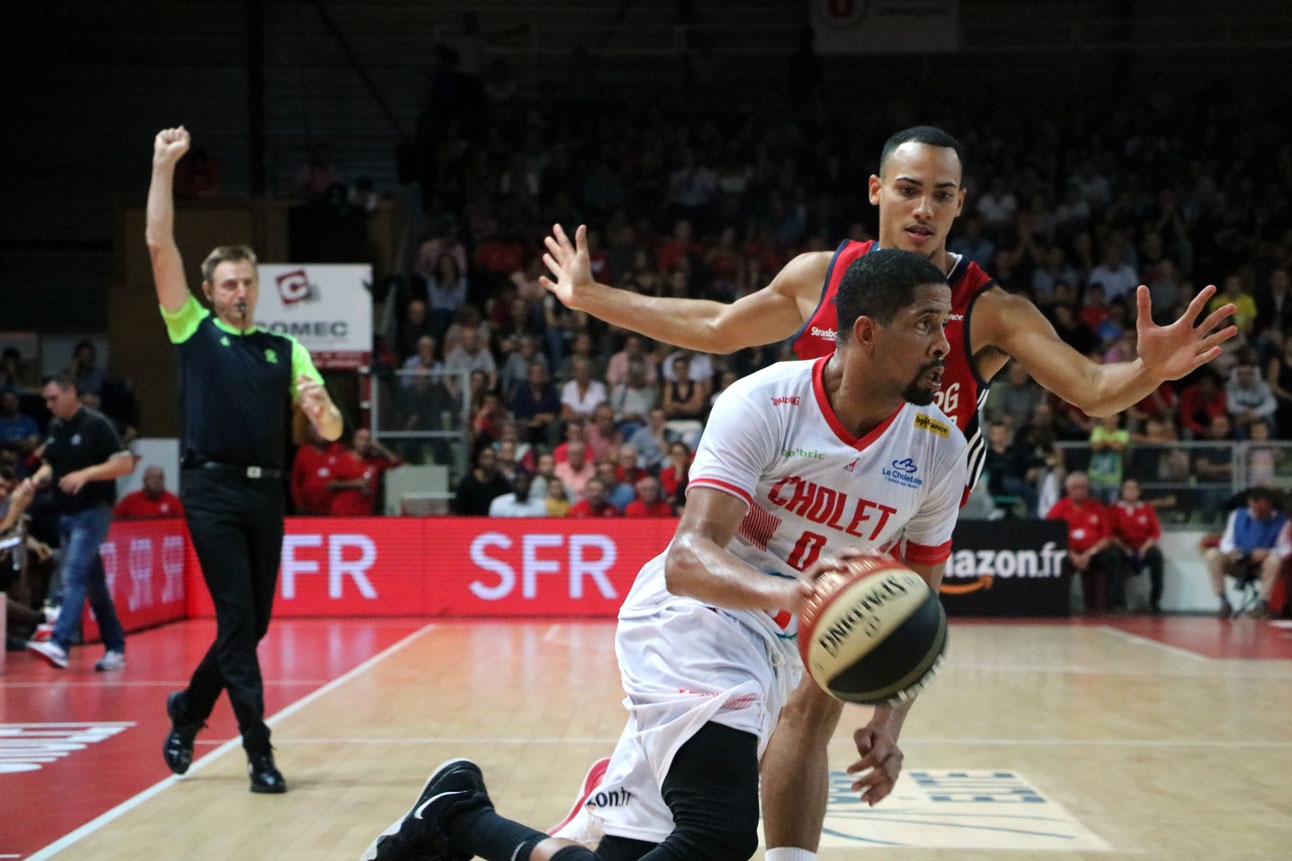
(917, 391)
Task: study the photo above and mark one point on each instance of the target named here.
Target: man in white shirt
(1249, 399)
(1116, 275)
(520, 502)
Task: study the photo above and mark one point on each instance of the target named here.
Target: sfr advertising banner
(416, 566)
(144, 561)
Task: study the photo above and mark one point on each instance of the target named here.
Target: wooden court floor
(1132, 738)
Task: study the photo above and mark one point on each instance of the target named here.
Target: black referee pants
(236, 525)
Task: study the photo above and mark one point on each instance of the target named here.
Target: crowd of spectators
(708, 201)
(704, 198)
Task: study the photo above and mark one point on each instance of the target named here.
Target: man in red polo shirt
(648, 502)
(152, 503)
(313, 474)
(1135, 532)
(1088, 539)
(356, 476)
(594, 502)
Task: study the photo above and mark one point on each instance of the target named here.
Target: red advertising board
(145, 563)
(413, 566)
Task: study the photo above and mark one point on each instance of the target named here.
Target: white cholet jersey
(813, 489)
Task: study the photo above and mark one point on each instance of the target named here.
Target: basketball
(874, 633)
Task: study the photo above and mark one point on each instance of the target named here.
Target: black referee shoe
(455, 787)
(177, 750)
(265, 776)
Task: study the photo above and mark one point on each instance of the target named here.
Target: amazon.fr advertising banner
(1007, 568)
(471, 566)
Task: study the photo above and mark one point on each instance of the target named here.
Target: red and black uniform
(963, 392)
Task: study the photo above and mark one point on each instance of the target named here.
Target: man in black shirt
(481, 486)
(82, 458)
(237, 385)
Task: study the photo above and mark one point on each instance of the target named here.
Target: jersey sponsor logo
(978, 569)
(818, 332)
(932, 425)
(271, 356)
(857, 516)
(954, 317)
(786, 399)
(902, 472)
(224, 341)
(609, 798)
(803, 452)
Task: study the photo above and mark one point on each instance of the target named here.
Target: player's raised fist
(170, 145)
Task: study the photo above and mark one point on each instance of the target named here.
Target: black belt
(235, 469)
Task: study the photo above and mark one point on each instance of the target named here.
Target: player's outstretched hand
(570, 266)
(879, 766)
(1175, 350)
(170, 145)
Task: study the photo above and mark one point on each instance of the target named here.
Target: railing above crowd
(1192, 484)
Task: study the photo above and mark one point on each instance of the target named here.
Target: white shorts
(683, 667)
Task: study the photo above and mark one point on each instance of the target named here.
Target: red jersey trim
(978, 286)
(718, 484)
(826, 293)
(924, 554)
(818, 389)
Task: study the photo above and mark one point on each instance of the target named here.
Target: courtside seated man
(919, 191)
(237, 387)
(705, 638)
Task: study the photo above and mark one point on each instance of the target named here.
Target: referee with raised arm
(237, 386)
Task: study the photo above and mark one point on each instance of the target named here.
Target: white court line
(1149, 641)
(131, 803)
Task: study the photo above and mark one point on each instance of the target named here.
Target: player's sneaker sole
(579, 825)
(50, 651)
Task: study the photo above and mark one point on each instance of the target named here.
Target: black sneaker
(265, 776)
(453, 788)
(177, 750)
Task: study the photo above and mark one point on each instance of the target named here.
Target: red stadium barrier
(416, 566)
(145, 562)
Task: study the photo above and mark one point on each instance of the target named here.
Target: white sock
(789, 855)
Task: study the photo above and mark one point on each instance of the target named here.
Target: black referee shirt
(86, 439)
(235, 388)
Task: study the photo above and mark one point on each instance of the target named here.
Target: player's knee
(720, 839)
(810, 710)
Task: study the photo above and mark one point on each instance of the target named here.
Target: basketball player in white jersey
(800, 465)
